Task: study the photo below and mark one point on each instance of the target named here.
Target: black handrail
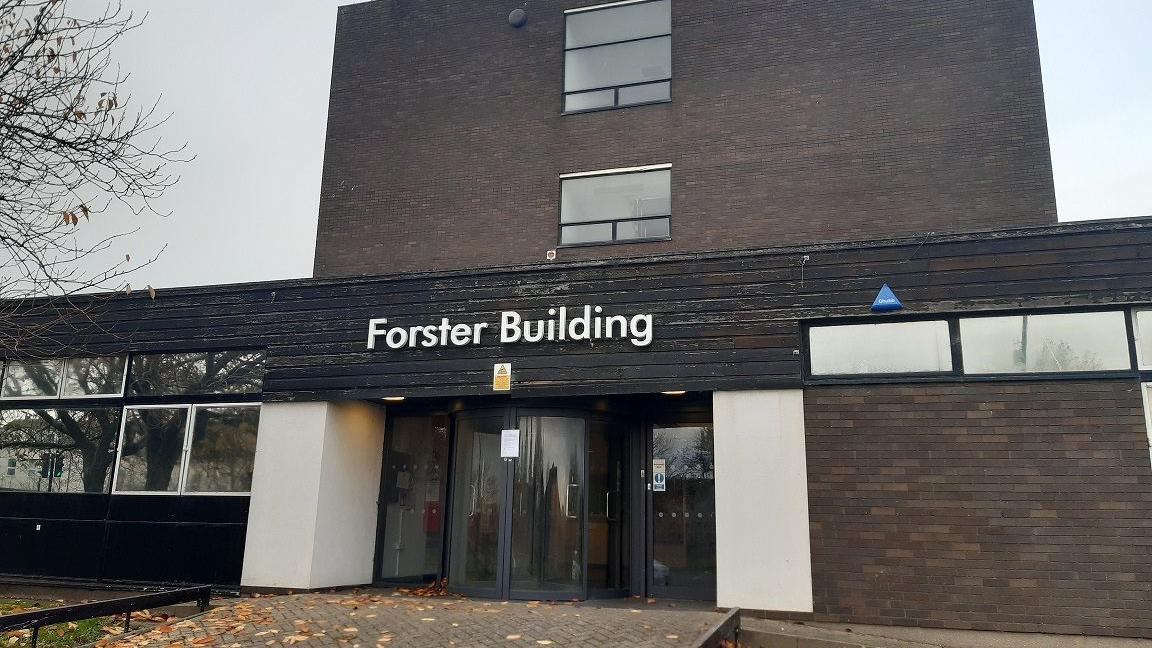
(37, 619)
(724, 633)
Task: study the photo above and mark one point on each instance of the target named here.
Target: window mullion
(188, 427)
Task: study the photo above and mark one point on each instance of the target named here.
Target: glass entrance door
(520, 527)
(478, 494)
(548, 512)
(682, 513)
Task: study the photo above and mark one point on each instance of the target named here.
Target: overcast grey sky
(246, 82)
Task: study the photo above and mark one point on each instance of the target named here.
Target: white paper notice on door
(509, 444)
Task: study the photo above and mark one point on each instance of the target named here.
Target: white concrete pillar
(763, 555)
(312, 518)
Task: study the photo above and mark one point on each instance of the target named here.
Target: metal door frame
(510, 416)
(684, 593)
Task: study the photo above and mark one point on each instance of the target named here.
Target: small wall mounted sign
(886, 301)
(502, 376)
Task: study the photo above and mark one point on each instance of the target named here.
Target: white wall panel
(763, 555)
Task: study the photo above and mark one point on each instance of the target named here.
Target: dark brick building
(811, 343)
(790, 122)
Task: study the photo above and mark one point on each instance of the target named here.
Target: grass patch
(64, 635)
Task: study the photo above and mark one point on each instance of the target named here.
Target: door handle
(568, 501)
(608, 506)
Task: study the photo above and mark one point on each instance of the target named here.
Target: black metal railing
(37, 619)
(725, 634)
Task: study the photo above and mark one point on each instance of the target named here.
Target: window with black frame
(885, 348)
(56, 450)
(67, 425)
(617, 54)
(618, 206)
(1045, 343)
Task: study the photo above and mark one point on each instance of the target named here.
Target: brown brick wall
(791, 122)
(1002, 506)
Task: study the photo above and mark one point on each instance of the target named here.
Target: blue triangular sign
(886, 300)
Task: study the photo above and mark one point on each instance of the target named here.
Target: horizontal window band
(654, 239)
(608, 5)
(616, 87)
(619, 171)
(626, 219)
(619, 42)
(617, 107)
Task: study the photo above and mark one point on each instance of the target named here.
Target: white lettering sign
(584, 324)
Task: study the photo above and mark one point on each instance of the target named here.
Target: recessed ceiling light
(394, 399)
(674, 392)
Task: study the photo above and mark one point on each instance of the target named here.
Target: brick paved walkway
(382, 619)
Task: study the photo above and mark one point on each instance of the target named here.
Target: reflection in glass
(684, 515)
(31, 378)
(1143, 325)
(889, 348)
(476, 497)
(574, 234)
(212, 372)
(58, 450)
(614, 24)
(618, 196)
(661, 91)
(413, 483)
(618, 64)
(151, 449)
(547, 510)
(631, 230)
(92, 376)
(223, 449)
(607, 507)
(1045, 343)
(590, 100)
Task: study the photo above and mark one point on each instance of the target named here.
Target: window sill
(565, 113)
(656, 239)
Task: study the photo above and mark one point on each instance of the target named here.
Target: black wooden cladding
(97, 537)
(722, 320)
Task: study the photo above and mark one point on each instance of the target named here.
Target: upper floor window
(621, 205)
(618, 54)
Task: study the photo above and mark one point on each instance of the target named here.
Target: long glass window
(58, 450)
(206, 449)
(32, 379)
(204, 372)
(98, 376)
(1142, 323)
(618, 55)
(885, 348)
(615, 206)
(64, 378)
(1057, 342)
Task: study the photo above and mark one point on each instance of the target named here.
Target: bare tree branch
(73, 145)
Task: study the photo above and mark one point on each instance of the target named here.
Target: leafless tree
(73, 145)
